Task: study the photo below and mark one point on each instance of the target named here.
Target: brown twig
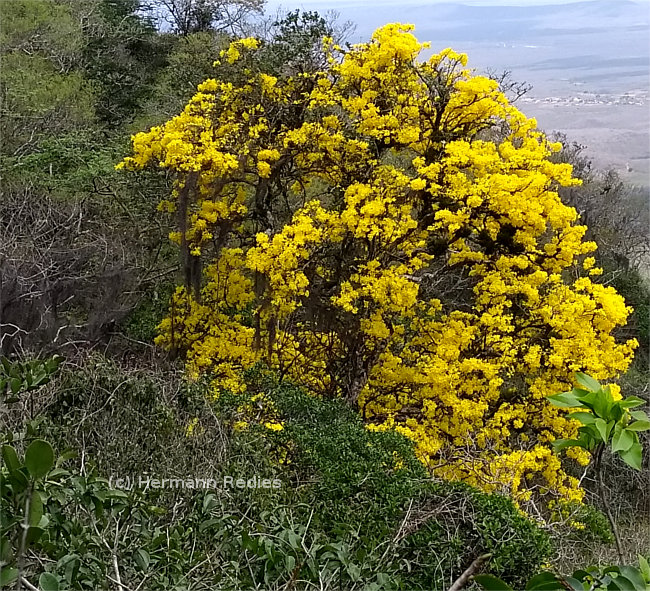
(605, 503)
(27, 584)
(461, 581)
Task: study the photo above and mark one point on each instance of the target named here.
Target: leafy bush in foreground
(356, 509)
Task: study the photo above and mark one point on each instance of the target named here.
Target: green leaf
(564, 400)
(622, 583)
(39, 458)
(589, 431)
(622, 440)
(48, 582)
(645, 568)
(603, 428)
(632, 402)
(639, 415)
(40, 378)
(588, 382)
(15, 384)
(575, 584)
(19, 481)
(639, 426)
(560, 444)
(492, 583)
(56, 473)
(632, 457)
(33, 534)
(544, 582)
(586, 418)
(8, 575)
(142, 559)
(633, 575)
(51, 365)
(586, 440)
(10, 458)
(209, 503)
(617, 412)
(72, 564)
(295, 541)
(583, 574)
(65, 456)
(354, 571)
(5, 549)
(35, 508)
(599, 402)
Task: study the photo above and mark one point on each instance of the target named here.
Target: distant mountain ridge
(469, 22)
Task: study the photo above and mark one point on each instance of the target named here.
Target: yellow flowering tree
(388, 230)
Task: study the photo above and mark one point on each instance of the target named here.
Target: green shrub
(356, 509)
(634, 288)
(368, 490)
(141, 324)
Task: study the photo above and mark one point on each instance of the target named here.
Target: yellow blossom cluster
(388, 230)
(258, 409)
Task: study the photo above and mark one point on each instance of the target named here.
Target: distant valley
(588, 63)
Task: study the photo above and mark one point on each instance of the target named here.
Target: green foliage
(40, 24)
(594, 528)
(141, 324)
(41, 43)
(296, 43)
(356, 509)
(122, 55)
(369, 490)
(606, 424)
(21, 509)
(23, 519)
(39, 99)
(606, 421)
(189, 61)
(75, 166)
(132, 416)
(480, 523)
(86, 515)
(634, 288)
(609, 578)
(18, 377)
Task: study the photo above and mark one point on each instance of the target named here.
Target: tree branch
(461, 581)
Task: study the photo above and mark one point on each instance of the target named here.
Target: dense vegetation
(365, 272)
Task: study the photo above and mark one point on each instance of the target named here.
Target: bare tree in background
(293, 41)
(513, 89)
(195, 16)
(67, 276)
(615, 213)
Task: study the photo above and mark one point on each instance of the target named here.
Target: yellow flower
(264, 169)
(418, 184)
(191, 426)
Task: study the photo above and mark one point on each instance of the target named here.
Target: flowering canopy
(389, 231)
